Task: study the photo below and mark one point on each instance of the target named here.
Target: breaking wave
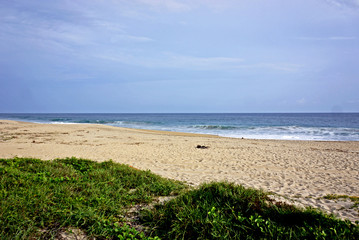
(214, 127)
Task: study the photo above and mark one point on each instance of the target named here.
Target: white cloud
(185, 62)
(189, 5)
(301, 101)
(63, 31)
(285, 67)
(342, 38)
(334, 38)
(202, 62)
(171, 5)
(171, 60)
(136, 38)
(344, 3)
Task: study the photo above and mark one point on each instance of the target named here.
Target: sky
(187, 56)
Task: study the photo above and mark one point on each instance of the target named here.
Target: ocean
(284, 126)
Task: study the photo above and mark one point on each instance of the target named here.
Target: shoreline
(179, 133)
(262, 126)
(298, 171)
(176, 133)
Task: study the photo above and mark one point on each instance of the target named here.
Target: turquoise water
(288, 126)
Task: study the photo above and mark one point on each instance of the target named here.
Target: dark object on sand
(202, 147)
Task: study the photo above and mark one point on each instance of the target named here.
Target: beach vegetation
(228, 211)
(353, 199)
(43, 199)
(40, 199)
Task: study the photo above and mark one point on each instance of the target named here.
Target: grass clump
(228, 211)
(38, 199)
(354, 199)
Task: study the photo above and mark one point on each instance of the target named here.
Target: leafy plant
(227, 211)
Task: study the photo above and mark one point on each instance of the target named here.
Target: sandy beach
(301, 172)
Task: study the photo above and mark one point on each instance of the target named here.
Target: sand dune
(298, 171)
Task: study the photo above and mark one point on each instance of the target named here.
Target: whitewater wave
(214, 127)
(296, 133)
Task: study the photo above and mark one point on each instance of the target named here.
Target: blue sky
(179, 56)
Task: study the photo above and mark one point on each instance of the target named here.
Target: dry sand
(301, 172)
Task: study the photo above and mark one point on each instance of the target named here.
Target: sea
(282, 126)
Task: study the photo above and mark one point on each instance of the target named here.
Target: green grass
(40, 199)
(228, 211)
(53, 195)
